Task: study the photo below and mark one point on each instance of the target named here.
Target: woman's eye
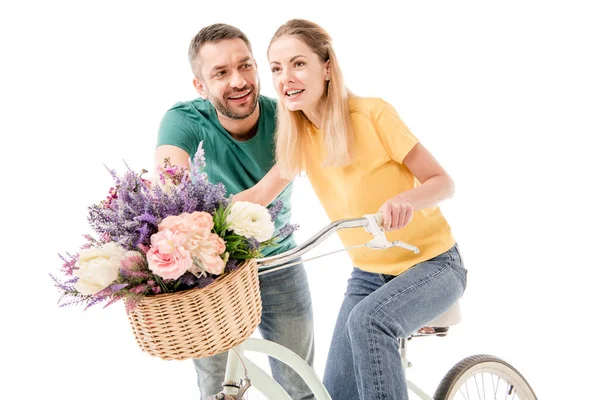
(299, 64)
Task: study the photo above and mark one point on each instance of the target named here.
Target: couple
(360, 159)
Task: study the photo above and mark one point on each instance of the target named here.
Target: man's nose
(237, 80)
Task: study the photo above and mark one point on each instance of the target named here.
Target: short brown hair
(213, 34)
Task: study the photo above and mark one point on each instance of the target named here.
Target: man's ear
(200, 88)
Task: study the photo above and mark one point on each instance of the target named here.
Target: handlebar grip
(378, 218)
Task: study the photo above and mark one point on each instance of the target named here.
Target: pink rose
(167, 257)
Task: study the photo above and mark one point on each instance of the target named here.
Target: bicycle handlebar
(371, 222)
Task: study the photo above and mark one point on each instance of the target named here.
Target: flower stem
(161, 283)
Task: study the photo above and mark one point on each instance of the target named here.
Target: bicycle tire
(458, 375)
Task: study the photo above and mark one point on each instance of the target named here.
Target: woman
(360, 159)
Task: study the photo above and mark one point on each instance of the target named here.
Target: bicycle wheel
(484, 377)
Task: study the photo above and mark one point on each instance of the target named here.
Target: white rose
(98, 267)
(251, 220)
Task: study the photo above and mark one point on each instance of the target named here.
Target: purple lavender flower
(118, 286)
(231, 265)
(188, 280)
(131, 214)
(64, 286)
(286, 231)
(204, 281)
(253, 244)
(198, 163)
(275, 209)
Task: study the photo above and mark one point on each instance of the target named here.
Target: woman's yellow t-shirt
(375, 175)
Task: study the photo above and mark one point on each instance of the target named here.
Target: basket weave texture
(202, 322)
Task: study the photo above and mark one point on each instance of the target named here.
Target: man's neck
(241, 129)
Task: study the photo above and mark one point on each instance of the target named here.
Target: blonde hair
(292, 126)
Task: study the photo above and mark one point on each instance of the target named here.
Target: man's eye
(247, 66)
(220, 73)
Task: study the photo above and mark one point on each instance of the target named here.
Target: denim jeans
(287, 319)
(364, 359)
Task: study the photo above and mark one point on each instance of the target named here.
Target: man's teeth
(293, 92)
(239, 96)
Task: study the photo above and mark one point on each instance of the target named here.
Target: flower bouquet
(181, 257)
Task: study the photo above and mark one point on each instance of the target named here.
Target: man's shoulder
(195, 107)
(183, 124)
(268, 104)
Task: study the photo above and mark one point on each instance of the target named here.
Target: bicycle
(461, 380)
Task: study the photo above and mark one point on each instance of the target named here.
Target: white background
(505, 95)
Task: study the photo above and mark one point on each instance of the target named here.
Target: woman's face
(299, 75)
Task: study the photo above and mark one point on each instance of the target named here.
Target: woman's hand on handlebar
(396, 213)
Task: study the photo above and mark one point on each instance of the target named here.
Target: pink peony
(192, 232)
(170, 222)
(198, 223)
(209, 251)
(167, 256)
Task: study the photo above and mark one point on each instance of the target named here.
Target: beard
(236, 111)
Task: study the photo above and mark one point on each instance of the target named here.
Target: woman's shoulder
(371, 107)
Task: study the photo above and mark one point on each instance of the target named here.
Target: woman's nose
(286, 75)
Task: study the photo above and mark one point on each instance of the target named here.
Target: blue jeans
(287, 319)
(364, 359)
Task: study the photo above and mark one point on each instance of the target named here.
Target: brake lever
(379, 240)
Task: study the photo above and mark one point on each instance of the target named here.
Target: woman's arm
(436, 186)
(266, 190)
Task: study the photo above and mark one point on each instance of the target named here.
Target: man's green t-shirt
(238, 165)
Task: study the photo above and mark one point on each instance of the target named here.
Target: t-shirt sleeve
(177, 130)
(397, 139)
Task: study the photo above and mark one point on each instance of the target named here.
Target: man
(236, 126)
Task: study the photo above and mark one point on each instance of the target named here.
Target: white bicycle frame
(238, 365)
(241, 371)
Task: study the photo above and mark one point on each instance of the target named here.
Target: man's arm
(176, 155)
(266, 190)
(263, 193)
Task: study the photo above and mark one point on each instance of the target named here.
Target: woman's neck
(315, 114)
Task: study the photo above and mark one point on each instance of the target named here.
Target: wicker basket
(199, 323)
